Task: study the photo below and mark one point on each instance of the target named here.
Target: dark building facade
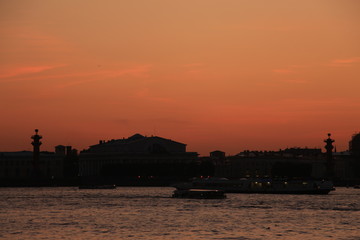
(38, 168)
(342, 167)
(290, 163)
(138, 157)
(354, 145)
(19, 165)
(345, 167)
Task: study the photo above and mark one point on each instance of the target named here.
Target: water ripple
(151, 213)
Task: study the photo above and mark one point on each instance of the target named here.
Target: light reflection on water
(150, 213)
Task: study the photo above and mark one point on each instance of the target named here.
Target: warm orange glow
(228, 75)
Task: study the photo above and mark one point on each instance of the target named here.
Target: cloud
(138, 71)
(290, 69)
(349, 60)
(26, 70)
(30, 73)
(344, 62)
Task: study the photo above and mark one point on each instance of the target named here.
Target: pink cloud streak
(139, 71)
(20, 71)
(27, 74)
(348, 62)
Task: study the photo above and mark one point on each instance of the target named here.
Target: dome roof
(356, 137)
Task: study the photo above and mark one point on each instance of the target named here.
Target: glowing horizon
(214, 75)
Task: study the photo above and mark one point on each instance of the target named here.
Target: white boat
(256, 185)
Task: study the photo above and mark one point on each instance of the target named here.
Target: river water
(151, 213)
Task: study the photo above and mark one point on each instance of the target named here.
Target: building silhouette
(290, 163)
(311, 163)
(354, 145)
(137, 158)
(142, 160)
(38, 168)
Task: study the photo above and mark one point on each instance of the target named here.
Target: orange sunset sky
(224, 75)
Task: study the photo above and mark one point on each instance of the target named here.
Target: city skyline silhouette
(258, 149)
(162, 119)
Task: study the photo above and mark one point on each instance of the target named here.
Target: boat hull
(199, 194)
(260, 186)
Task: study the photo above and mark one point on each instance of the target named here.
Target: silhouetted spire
(329, 157)
(36, 151)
